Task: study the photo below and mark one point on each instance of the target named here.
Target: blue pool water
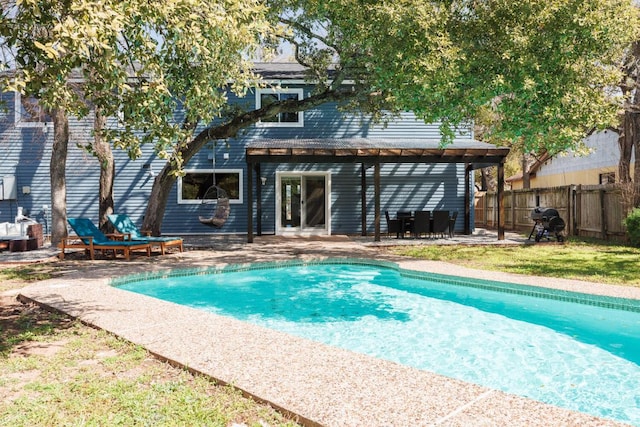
(582, 355)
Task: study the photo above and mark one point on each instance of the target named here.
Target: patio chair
(393, 225)
(422, 223)
(452, 222)
(90, 238)
(440, 223)
(123, 224)
(406, 222)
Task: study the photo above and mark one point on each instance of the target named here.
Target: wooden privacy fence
(588, 210)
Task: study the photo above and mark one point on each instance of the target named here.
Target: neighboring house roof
(533, 169)
(603, 153)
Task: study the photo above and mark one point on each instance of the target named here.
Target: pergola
(373, 152)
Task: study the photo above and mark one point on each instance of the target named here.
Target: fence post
(570, 211)
(603, 215)
(578, 211)
(513, 210)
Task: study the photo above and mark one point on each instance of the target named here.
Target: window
(608, 178)
(265, 97)
(193, 186)
(29, 113)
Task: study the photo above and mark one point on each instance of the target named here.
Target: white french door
(303, 203)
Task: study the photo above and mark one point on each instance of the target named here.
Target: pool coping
(321, 385)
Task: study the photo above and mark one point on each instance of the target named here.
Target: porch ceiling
(364, 150)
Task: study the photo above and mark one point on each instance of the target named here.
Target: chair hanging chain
(213, 162)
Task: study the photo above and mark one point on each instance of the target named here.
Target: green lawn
(595, 262)
(56, 371)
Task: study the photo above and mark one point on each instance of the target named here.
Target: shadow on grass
(20, 323)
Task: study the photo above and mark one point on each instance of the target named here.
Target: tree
(104, 154)
(628, 127)
(544, 66)
(45, 44)
(554, 59)
(124, 54)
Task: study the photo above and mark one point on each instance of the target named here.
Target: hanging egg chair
(214, 209)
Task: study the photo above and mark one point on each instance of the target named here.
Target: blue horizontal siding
(26, 153)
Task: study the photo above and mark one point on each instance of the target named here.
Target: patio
(323, 385)
(227, 242)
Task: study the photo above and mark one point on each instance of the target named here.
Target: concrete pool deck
(320, 384)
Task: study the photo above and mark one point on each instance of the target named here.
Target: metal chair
(452, 223)
(393, 225)
(440, 222)
(422, 223)
(406, 221)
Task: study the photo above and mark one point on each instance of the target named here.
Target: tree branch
(246, 119)
(309, 33)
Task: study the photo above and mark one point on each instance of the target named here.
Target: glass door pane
(290, 187)
(314, 201)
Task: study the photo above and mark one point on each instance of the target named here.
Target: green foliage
(139, 62)
(164, 70)
(544, 67)
(549, 66)
(632, 222)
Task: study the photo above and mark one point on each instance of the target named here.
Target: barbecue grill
(547, 221)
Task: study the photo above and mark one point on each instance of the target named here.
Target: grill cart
(547, 221)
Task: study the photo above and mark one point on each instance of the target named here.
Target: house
(598, 166)
(315, 172)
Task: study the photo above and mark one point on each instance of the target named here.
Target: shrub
(632, 222)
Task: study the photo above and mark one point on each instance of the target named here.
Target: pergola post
(258, 200)
(363, 197)
(376, 186)
(249, 202)
(468, 169)
(501, 201)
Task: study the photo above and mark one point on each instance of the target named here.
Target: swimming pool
(577, 351)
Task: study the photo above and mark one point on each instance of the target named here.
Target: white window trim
(298, 124)
(18, 115)
(237, 201)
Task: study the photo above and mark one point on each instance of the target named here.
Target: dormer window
(265, 97)
(29, 112)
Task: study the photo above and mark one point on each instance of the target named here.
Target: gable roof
(280, 70)
(285, 71)
(533, 169)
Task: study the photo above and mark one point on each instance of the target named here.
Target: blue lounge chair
(90, 238)
(123, 224)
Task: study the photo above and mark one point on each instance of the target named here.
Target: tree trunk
(626, 138)
(488, 181)
(636, 172)
(57, 169)
(526, 178)
(107, 172)
(158, 200)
